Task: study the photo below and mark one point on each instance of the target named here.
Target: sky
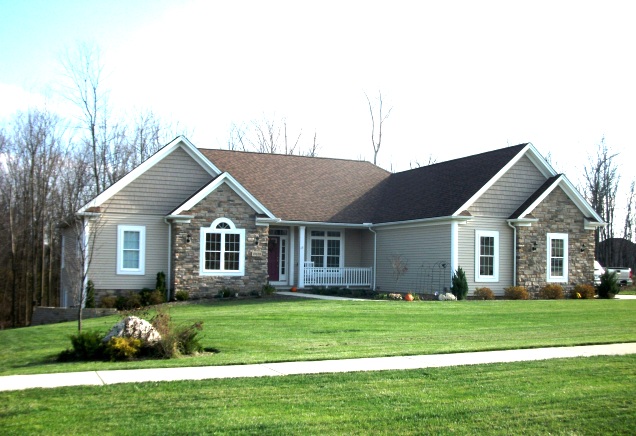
(460, 77)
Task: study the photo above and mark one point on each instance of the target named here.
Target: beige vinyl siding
(424, 248)
(467, 251)
(357, 243)
(103, 265)
(510, 191)
(162, 188)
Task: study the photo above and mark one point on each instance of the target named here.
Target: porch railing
(329, 276)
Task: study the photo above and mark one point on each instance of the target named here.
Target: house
(211, 219)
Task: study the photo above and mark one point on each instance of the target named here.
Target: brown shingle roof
(297, 188)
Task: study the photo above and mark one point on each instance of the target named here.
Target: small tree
(608, 286)
(459, 286)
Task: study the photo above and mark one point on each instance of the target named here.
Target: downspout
(168, 275)
(514, 254)
(87, 257)
(375, 254)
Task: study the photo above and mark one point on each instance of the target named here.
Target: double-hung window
(557, 266)
(486, 256)
(222, 249)
(325, 248)
(131, 249)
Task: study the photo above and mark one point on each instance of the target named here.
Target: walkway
(18, 382)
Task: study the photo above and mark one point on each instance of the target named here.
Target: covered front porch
(320, 255)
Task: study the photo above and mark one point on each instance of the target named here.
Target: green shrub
(268, 289)
(182, 296)
(483, 294)
(583, 291)
(551, 292)
(459, 286)
(108, 302)
(87, 345)
(160, 284)
(150, 297)
(122, 348)
(90, 295)
(516, 293)
(128, 302)
(608, 286)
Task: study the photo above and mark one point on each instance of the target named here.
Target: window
(486, 256)
(325, 248)
(131, 249)
(222, 249)
(557, 257)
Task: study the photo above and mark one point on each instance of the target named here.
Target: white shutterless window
(222, 251)
(557, 266)
(131, 249)
(486, 256)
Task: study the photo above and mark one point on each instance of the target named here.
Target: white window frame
(495, 276)
(231, 230)
(326, 238)
(549, 276)
(140, 270)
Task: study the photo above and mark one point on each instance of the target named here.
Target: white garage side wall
(467, 252)
(103, 265)
(425, 249)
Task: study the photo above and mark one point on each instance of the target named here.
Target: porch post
(291, 261)
(301, 257)
(454, 248)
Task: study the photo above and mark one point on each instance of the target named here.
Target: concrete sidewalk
(18, 382)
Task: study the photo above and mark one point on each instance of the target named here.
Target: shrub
(175, 340)
(160, 284)
(123, 348)
(483, 294)
(151, 297)
(128, 302)
(608, 286)
(108, 302)
(182, 296)
(583, 291)
(268, 289)
(551, 292)
(459, 286)
(90, 295)
(516, 293)
(87, 345)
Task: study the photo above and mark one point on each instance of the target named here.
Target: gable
(176, 144)
(511, 190)
(162, 187)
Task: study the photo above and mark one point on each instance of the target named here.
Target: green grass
(267, 330)
(595, 395)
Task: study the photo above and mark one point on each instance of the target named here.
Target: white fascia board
(234, 185)
(179, 141)
(523, 222)
(535, 157)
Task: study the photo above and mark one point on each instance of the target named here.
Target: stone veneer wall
(222, 203)
(556, 214)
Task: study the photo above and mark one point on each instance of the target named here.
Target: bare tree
(376, 140)
(601, 184)
(270, 136)
(628, 230)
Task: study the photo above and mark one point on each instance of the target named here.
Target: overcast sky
(461, 77)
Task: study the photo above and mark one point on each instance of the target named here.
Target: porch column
(291, 256)
(454, 248)
(301, 257)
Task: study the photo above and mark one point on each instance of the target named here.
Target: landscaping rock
(134, 327)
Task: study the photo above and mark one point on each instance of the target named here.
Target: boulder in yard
(134, 327)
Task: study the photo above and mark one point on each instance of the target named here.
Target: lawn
(595, 395)
(270, 330)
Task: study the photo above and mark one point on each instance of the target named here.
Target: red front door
(273, 258)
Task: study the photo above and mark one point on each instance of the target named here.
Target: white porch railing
(328, 276)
